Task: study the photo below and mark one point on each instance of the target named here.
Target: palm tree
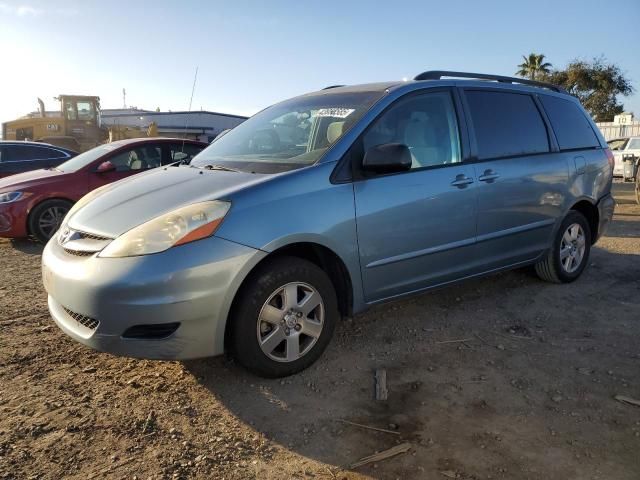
(533, 65)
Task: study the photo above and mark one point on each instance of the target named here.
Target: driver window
(70, 110)
(426, 124)
(140, 158)
(121, 161)
(85, 111)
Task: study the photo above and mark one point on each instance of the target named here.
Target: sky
(251, 54)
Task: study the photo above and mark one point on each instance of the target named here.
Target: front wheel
(283, 318)
(569, 254)
(45, 219)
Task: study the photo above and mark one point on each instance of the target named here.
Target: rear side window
(506, 124)
(28, 152)
(50, 153)
(572, 128)
(183, 152)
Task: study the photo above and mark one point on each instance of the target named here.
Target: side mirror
(105, 167)
(387, 158)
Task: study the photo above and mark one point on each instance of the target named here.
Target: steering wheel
(265, 141)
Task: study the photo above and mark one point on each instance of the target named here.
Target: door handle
(488, 176)
(461, 181)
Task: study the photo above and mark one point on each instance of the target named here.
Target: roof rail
(333, 86)
(438, 74)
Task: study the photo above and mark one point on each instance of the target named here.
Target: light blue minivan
(325, 204)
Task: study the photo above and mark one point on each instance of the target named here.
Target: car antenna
(186, 121)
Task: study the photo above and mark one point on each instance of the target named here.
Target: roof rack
(333, 86)
(438, 74)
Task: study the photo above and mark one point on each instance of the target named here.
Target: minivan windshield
(84, 159)
(288, 135)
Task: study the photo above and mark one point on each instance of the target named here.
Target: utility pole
(124, 98)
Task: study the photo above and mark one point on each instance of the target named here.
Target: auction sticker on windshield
(335, 112)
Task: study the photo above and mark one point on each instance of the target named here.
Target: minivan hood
(26, 180)
(138, 199)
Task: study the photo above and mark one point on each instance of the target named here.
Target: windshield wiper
(221, 167)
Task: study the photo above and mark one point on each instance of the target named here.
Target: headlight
(184, 225)
(9, 197)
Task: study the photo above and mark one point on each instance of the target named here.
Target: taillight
(610, 157)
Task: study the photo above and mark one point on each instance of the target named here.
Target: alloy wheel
(51, 219)
(290, 322)
(572, 248)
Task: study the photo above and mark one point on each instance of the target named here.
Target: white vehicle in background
(621, 147)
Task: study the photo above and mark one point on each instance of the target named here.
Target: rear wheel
(45, 219)
(638, 187)
(284, 317)
(569, 254)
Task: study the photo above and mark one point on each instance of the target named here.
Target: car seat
(334, 130)
(421, 138)
(137, 161)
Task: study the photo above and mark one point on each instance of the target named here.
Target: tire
(637, 187)
(268, 347)
(46, 217)
(575, 251)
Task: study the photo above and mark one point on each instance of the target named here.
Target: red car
(34, 203)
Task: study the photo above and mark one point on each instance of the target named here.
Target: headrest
(419, 131)
(334, 130)
(414, 133)
(136, 165)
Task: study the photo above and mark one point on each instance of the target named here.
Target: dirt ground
(528, 394)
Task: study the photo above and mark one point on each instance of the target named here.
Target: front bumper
(13, 219)
(606, 207)
(193, 284)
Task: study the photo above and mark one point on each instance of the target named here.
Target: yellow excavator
(76, 126)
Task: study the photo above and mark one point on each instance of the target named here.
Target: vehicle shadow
(438, 388)
(624, 193)
(307, 413)
(24, 245)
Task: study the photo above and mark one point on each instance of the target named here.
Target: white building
(199, 125)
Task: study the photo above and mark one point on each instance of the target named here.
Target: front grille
(81, 244)
(91, 236)
(78, 253)
(88, 322)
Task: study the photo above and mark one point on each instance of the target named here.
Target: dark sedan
(19, 157)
